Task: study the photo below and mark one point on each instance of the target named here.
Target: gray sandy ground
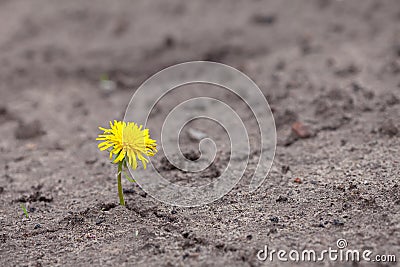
(332, 67)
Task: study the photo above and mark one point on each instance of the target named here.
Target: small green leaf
(24, 210)
(104, 77)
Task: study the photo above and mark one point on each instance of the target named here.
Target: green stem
(120, 193)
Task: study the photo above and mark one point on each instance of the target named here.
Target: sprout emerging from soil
(127, 143)
(24, 210)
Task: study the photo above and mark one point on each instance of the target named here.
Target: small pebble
(100, 221)
(281, 199)
(297, 180)
(337, 222)
(301, 130)
(128, 191)
(274, 219)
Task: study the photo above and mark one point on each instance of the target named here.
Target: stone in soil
(302, 130)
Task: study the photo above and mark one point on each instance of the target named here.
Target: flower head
(127, 142)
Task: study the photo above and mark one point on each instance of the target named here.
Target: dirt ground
(332, 67)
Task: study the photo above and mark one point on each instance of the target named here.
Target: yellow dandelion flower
(127, 141)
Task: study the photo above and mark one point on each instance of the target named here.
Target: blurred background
(329, 69)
